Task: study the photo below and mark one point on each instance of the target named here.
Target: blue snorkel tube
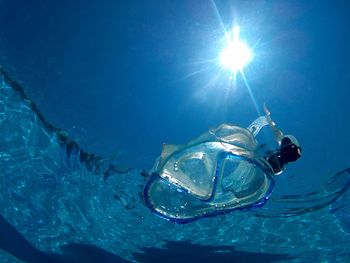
(216, 173)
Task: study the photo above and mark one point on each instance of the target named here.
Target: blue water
(118, 79)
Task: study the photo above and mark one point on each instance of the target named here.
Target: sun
(236, 55)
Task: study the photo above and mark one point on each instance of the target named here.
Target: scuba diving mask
(217, 172)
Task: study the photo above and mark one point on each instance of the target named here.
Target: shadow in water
(185, 251)
(15, 244)
(74, 253)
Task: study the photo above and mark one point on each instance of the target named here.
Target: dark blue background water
(114, 73)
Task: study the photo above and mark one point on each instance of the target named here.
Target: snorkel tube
(218, 172)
